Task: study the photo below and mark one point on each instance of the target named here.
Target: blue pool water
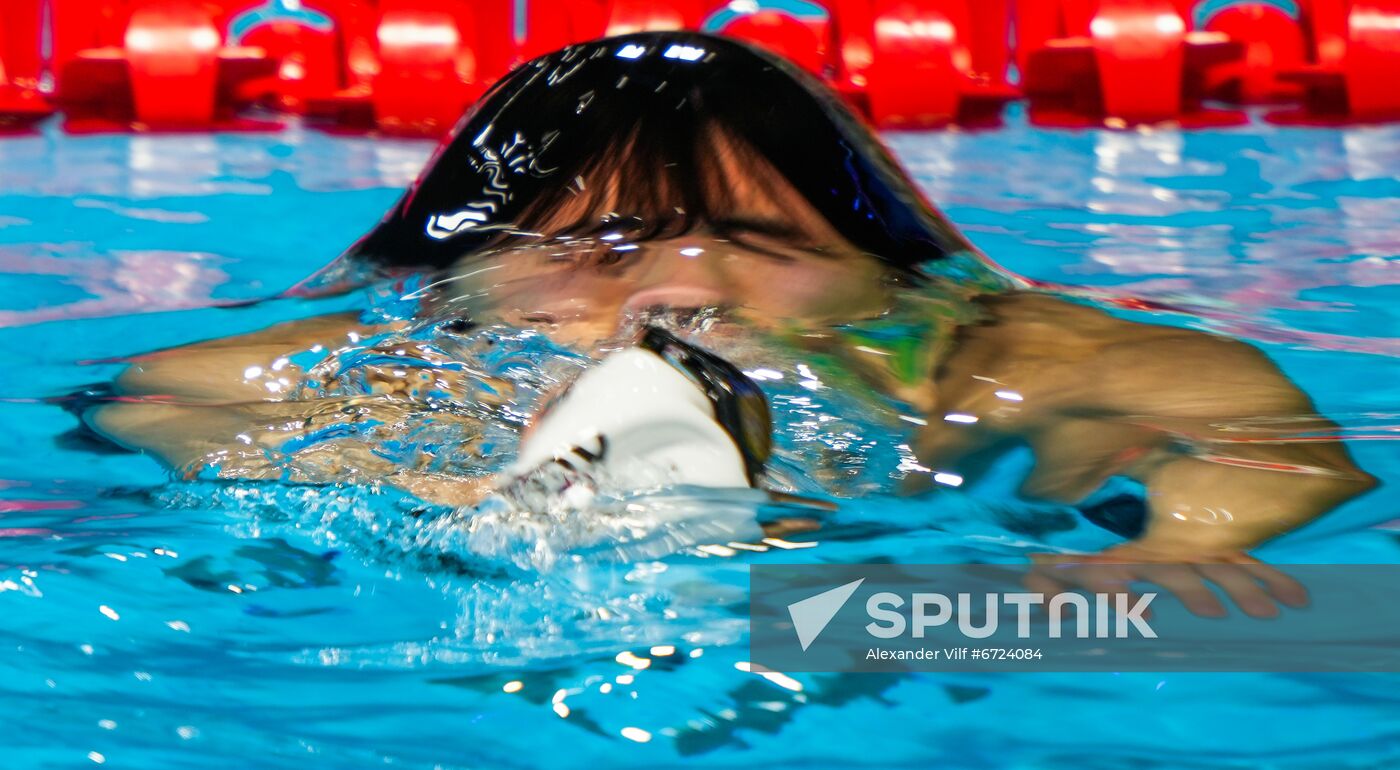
(148, 623)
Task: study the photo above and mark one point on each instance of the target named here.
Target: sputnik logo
(811, 615)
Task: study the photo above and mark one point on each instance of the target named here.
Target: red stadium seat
(1126, 61)
(306, 46)
(804, 44)
(1355, 54)
(623, 16)
(553, 24)
(427, 74)
(910, 63)
(1373, 59)
(1273, 42)
(21, 65)
(913, 79)
(418, 64)
(169, 69)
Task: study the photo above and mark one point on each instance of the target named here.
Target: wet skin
(1099, 396)
(756, 184)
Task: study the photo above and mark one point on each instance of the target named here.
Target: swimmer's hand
(1258, 589)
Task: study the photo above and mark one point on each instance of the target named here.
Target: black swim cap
(534, 131)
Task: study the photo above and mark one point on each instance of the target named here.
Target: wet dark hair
(626, 134)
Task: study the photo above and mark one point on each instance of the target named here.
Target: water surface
(202, 624)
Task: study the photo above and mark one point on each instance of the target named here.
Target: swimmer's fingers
(1107, 573)
(1279, 585)
(1238, 584)
(1256, 588)
(1253, 586)
(1182, 580)
(1061, 573)
(1188, 585)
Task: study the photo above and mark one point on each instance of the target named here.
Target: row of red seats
(1141, 60)
(411, 66)
(402, 65)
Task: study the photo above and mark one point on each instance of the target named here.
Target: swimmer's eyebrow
(772, 228)
(790, 235)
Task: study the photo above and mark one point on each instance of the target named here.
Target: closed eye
(610, 255)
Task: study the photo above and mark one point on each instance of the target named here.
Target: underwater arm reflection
(1230, 504)
(1230, 451)
(1245, 456)
(1204, 517)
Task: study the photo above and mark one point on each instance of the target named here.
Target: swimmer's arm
(1204, 519)
(1234, 487)
(1199, 507)
(214, 410)
(1208, 424)
(242, 442)
(1226, 495)
(184, 405)
(239, 367)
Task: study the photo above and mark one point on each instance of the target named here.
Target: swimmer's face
(581, 291)
(762, 255)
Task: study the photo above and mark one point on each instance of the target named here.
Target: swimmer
(692, 182)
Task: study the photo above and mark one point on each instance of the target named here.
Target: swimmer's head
(652, 136)
(661, 176)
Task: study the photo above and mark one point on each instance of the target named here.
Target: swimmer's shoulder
(1082, 355)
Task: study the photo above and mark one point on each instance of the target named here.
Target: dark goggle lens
(739, 404)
